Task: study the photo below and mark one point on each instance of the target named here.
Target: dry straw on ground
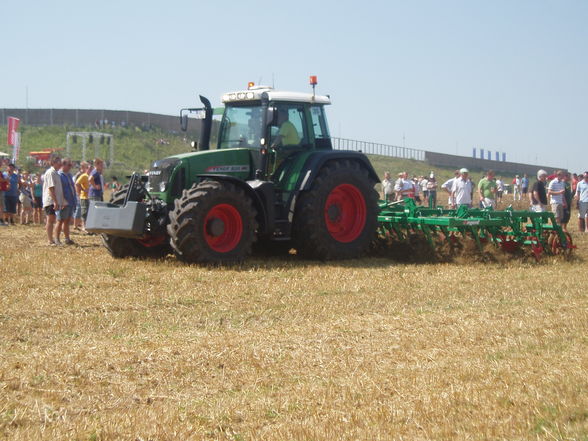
(282, 349)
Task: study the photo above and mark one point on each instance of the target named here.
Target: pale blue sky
(448, 75)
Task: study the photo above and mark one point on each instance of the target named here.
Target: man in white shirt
(582, 195)
(462, 189)
(388, 187)
(448, 185)
(404, 187)
(423, 186)
(556, 191)
(516, 188)
(52, 196)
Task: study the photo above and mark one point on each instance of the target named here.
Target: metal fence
(374, 148)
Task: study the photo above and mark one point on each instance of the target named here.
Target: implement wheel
(556, 246)
(120, 247)
(337, 217)
(213, 222)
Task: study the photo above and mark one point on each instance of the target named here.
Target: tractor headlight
(162, 186)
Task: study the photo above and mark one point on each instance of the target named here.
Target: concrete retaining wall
(510, 168)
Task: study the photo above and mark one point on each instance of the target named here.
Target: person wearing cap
(538, 194)
(432, 191)
(582, 196)
(556, 191)
(462, 190)
(487, 190)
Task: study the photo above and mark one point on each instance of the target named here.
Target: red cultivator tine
(537, 248)
(510, 246)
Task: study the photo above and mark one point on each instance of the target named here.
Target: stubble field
(94, 348)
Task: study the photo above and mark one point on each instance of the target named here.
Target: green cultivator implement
(512, 231)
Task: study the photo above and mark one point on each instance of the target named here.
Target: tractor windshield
(240, 127)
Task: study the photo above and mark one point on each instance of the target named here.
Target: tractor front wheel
(120, 247)
(337, 217)
(213, 222)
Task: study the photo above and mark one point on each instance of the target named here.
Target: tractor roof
(254, 93)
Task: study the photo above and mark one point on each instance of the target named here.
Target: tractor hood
(169, 176)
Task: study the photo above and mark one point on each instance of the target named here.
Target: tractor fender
(257, 191)
(318, 159)
(313, 165)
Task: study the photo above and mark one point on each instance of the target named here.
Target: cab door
(289, 136)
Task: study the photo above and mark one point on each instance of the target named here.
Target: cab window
(319, 122)
(241, 127)
(290, 130)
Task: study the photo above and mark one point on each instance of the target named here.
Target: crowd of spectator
(58, 198)
(557, 191)
(420, 188)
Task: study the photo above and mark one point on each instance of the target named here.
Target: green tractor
(273, 177)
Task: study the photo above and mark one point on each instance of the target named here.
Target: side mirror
(184, 122)
(272, 116)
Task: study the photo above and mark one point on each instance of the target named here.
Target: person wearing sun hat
(463, 189)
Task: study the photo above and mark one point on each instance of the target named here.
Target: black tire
(121, 247)
(213, 222)
(337, 217)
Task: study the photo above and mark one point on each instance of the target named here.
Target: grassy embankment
(134, 149)
(288, 349)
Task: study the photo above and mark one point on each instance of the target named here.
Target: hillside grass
(134, 149)
(287, 349)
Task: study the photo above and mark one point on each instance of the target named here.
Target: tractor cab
(272, 125)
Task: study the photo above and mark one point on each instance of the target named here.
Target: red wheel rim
(223, 228)
(345, 213)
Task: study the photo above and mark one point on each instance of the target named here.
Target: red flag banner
(12, 129)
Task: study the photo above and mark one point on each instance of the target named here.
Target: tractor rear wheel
(337, 217)
(121, 247)
(213, 222)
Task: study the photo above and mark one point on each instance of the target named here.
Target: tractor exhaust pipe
(204, 143)
(205, 125)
